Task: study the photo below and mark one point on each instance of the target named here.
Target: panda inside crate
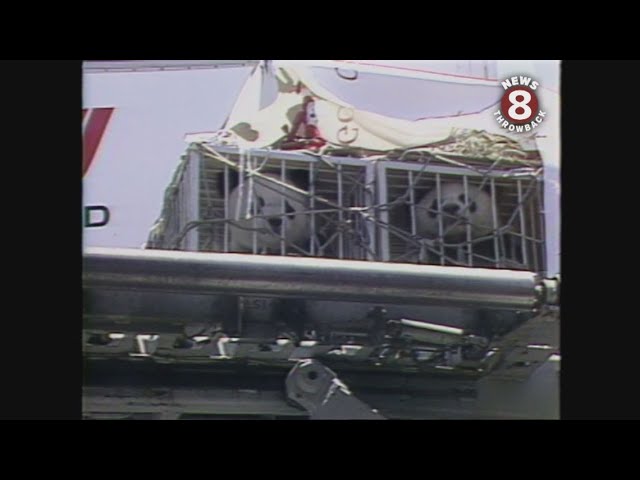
(462, 216)
(259, 223)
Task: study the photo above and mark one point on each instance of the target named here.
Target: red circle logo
(519, 104)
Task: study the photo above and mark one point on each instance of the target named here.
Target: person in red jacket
(304, 132)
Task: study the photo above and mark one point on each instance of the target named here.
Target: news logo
(519, 107)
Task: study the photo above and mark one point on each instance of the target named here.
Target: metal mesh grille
(509, 235)
(336, 199)
(359, 209)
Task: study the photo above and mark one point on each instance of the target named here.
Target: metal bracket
(526, 348)
(318, 390)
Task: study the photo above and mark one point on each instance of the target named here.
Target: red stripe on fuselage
(92, 135)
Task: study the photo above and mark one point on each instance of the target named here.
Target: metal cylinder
(427, 332)
(310, 278)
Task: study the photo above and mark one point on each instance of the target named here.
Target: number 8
(515, 105)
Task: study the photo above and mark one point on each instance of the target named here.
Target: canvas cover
(379, 108)
(365, 107)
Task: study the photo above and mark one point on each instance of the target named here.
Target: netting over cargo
(474, 201)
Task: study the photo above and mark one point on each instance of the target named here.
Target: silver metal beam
(310, 278)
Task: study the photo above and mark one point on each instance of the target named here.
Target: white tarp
(362, 106)
(379, 107)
